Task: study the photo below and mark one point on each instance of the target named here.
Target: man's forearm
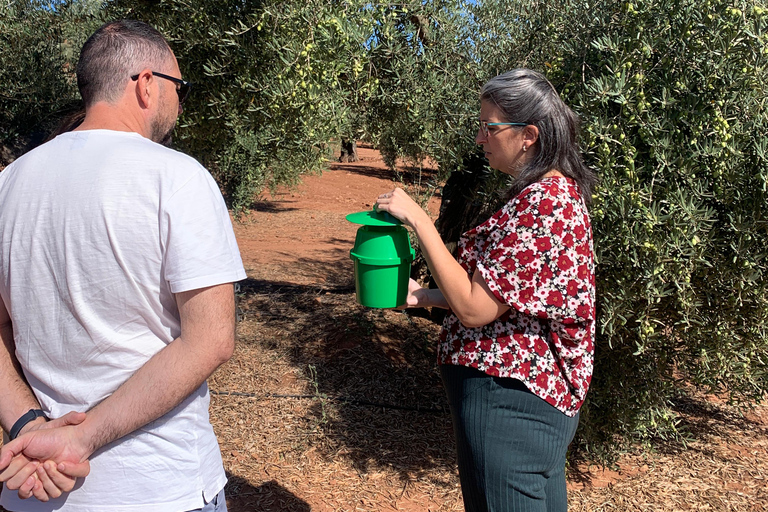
(171, 375)
(156, 388)
(16, 396)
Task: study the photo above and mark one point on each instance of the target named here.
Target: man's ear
(144, 88)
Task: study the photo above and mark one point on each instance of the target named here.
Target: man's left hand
(25, 472)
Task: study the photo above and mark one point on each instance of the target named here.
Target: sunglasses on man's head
(182, 86)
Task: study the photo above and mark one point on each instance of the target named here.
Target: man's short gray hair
(114, 53)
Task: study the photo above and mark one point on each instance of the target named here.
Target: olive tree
(672, 94)
(672, 97)
(39, 46)
(276, 83)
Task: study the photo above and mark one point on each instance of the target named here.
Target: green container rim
(382, 262)
(373, 218)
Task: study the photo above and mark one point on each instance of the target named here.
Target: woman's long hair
(68, 123)
(525, 96)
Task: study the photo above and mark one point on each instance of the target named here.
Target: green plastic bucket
(382, 256)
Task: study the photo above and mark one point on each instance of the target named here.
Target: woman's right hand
(416, 297)
(400, 205)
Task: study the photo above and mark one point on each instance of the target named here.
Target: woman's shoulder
(553, 187)
(553, 198)
(547, 197)
(556, 188)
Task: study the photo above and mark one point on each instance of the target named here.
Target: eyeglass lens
(183, 92)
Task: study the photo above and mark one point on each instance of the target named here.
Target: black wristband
(28, 416)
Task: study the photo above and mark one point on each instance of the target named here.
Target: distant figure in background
(117, 258)
(516, 350)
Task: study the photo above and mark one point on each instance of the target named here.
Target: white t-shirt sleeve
(200, 245)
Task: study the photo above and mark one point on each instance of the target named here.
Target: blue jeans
(217, 504)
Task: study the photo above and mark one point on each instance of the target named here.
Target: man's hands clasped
(47, 459)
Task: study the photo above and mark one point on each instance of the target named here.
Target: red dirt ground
(308, 223)
(283, 454)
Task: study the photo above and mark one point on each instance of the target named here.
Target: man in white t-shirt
(117, 259)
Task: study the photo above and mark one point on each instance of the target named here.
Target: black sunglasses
(182, 90)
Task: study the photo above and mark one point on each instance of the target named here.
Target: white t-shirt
(98, 230)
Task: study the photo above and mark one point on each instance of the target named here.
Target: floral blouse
(536, 255)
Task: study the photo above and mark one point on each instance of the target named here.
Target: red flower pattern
(546, 206)
(525, 257)
(525, 274)
(526, 295)
(536, 254)
(564, 262)
(543, 244)
(555, 298)
(584, 311)
(527, 220)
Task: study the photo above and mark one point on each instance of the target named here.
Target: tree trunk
(466, 200)
(6, 155)
(348, 151)
(466, 203)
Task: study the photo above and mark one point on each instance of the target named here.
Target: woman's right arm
(468, 296)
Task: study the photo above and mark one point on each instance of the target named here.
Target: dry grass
(345, 409)
(723, 467)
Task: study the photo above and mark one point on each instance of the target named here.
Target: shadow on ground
(267, 497)
(380, 398)
(405, 175)
(271, 206)
(380, 401)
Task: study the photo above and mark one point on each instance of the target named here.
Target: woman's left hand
(402, 207)
(417, 296)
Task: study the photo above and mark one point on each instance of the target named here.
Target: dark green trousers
(511, 444)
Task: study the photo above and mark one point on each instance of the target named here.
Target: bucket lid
(373, 218)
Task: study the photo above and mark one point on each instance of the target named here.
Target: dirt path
(298, 227)
(325, 417)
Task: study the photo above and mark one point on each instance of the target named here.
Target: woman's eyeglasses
(484, 126)
(182, 86)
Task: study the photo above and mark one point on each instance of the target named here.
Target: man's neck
(106, 116)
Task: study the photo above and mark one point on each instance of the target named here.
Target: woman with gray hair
(516, 350)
